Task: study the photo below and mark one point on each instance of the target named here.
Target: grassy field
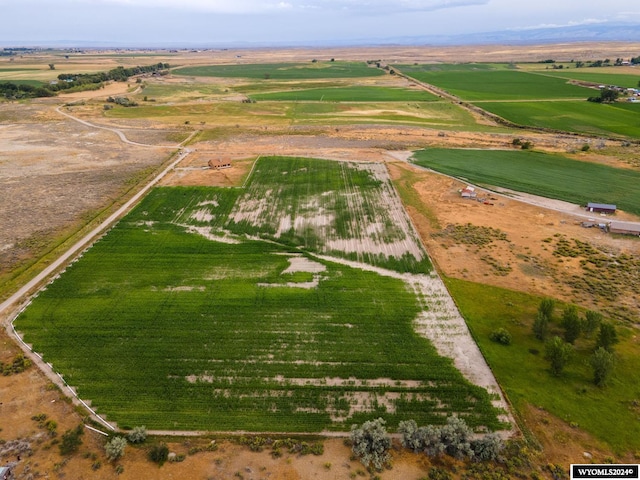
(609, 413)
(439, 115)
(541, 174)
(619, 119)
(594, 75)
(285, 71)
(496, 84)
(168, 323)
(350, 94)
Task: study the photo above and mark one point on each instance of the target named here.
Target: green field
(520, 368)
(439, 115)
(496, 84)
(597, 77)
(619, 119)
(284, 71)
(551, 176)
(173, 322)
(349, 94)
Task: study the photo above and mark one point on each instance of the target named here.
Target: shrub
(137, 435)
(159, 453)
(371, 443)
(502, 336)
(488, 447)
(71, 440)
(437, 473)
(114, 448)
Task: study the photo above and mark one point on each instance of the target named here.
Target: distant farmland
(350, 94)
(551, 176)
(285, 71)
(536, 98)
(177, 320)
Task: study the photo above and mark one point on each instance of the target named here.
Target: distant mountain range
(603, 32)
(580, 33)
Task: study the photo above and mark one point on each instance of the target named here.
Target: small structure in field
(219, 164)
(624, 228)
(468, 192)
(601, 208)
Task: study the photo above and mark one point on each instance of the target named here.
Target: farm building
(626, 228)
(601, 208)
(468, 192)
(219, 164)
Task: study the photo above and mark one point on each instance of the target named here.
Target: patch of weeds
(469, 234)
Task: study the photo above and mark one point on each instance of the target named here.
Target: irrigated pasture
(547, 175)
(349, 94)
(619, 119)
(606, 77)
(173, 322)
(285, 71)
(537, 98)
(496, 84)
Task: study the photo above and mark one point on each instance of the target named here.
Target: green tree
(571, 324)
(602, 362)
(607, 336)
(114, 448)
(371, 443)
(546, 307)
(541, 326)
(592, 321)
(558, 353)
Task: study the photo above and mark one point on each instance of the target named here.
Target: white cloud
(571, 23)
(365, 7)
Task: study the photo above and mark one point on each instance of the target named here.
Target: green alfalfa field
(173, 321)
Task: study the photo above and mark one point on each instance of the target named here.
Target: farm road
(122, 136)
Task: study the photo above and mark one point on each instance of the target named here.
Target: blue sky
(215, 22)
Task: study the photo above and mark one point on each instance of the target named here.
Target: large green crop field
(619, 119)
(538, 98)
(173, 322)
(282, 71)
(497, 84)
(541, 174)
(604, 78)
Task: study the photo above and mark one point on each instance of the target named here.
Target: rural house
(601, 208)
(219, 164)
(625, 228)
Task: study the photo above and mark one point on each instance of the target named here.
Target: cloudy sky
(217, 22)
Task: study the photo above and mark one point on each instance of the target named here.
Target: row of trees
(83, 81)
(371, 443)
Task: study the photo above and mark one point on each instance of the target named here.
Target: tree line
(78, 81)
